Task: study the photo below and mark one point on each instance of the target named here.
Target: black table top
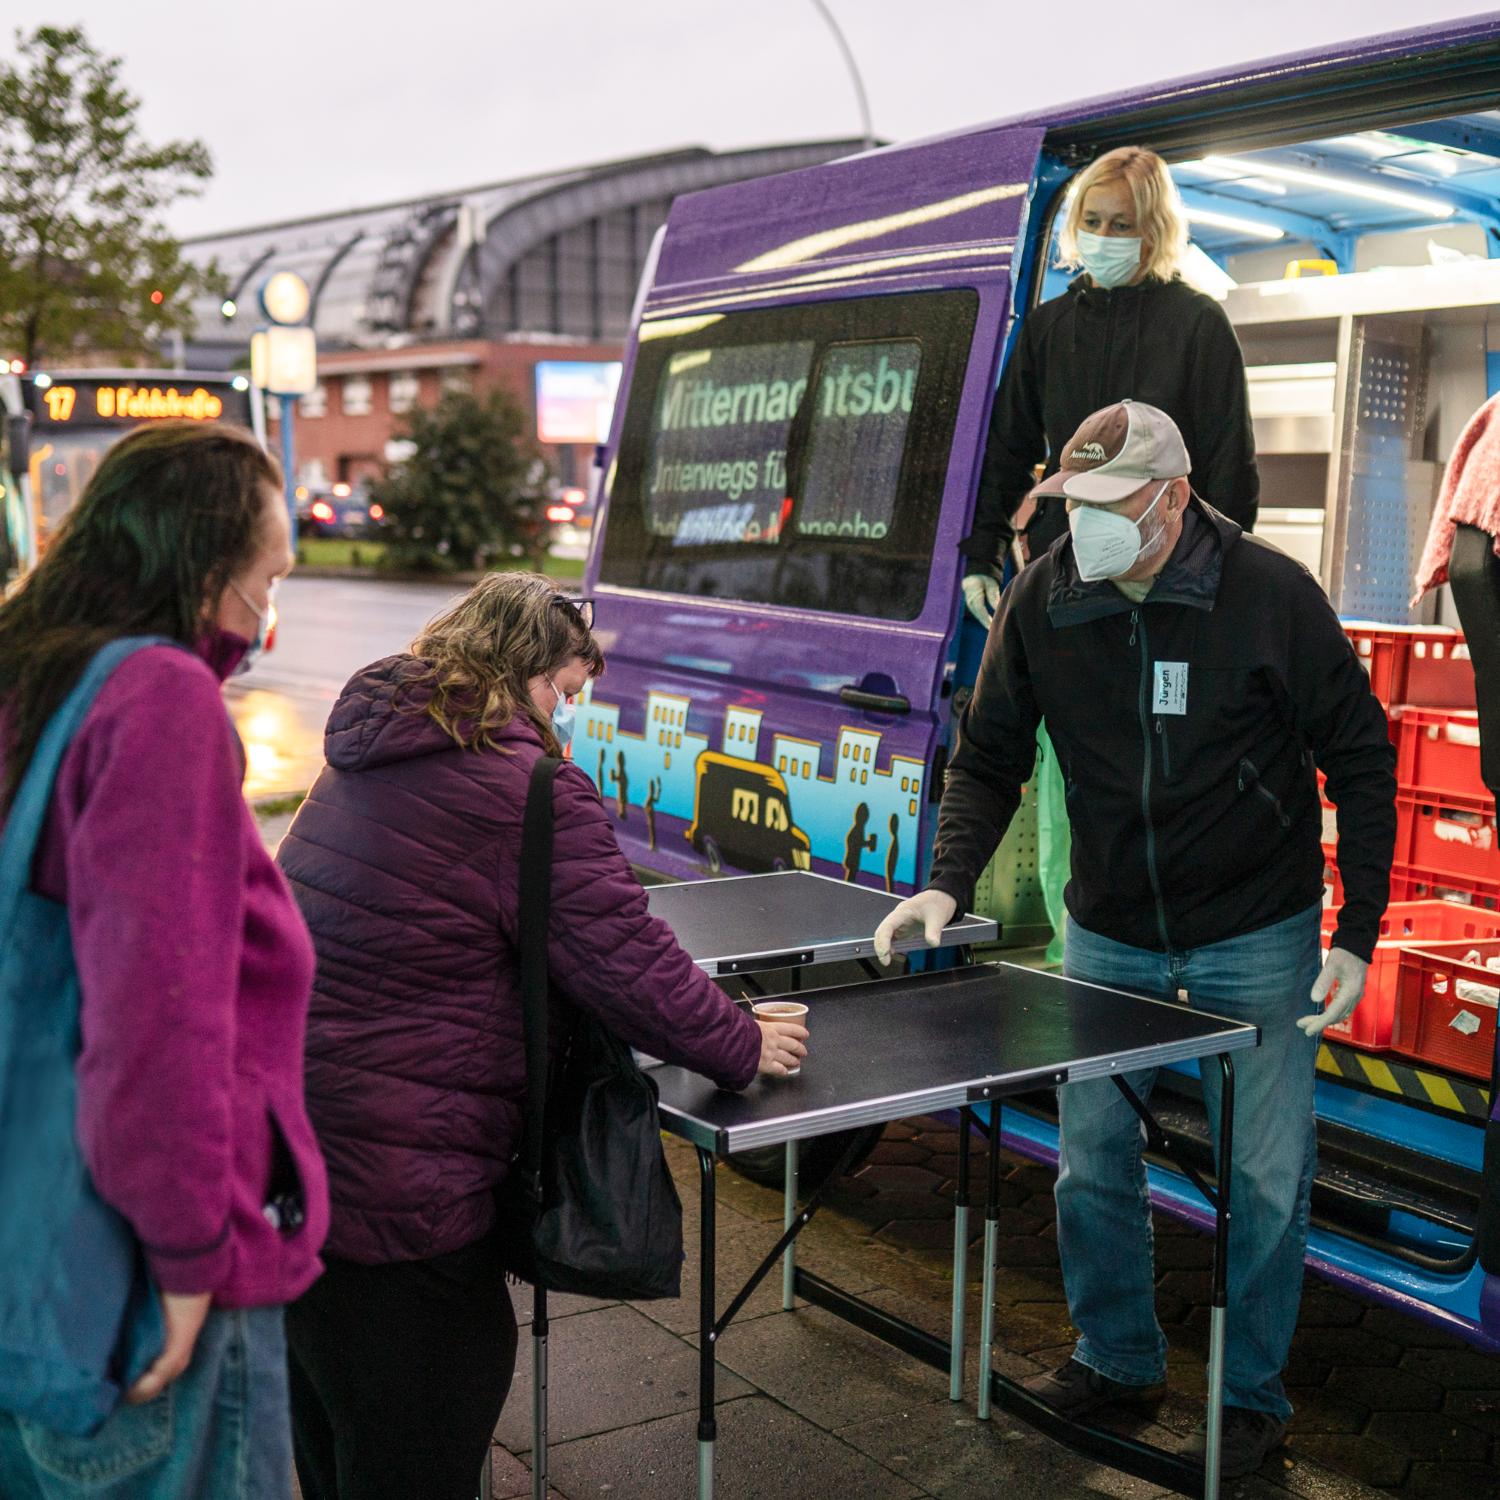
(747, 922)
(894, 1048)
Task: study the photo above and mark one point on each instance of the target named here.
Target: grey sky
(314, 106)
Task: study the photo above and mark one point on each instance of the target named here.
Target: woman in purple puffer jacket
(405, 862)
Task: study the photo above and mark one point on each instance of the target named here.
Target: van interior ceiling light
(1418, 203)
(1235, 173)
(1215, 220)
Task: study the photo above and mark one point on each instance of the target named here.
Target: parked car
(340, 511)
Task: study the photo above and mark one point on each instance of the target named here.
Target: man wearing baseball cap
(1194, 680)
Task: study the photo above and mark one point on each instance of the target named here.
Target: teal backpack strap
(28, 811)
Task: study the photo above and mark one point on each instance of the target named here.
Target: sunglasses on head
(583, 608)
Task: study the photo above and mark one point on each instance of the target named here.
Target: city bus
(59, 423)
(794, 457)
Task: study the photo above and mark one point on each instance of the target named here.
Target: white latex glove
(1343, 977)
(982, 595)
(931, 910)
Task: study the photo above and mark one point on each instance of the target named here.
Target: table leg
(991, 1239)
(960, 1257)
(538, 1393)
(1219, 1302)
(788, 1214)
(707, 1339)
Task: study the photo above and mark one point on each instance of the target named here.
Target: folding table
(958, 1038)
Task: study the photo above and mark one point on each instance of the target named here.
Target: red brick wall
(353, 447)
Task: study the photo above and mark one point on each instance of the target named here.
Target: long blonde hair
(1158, 209)
(484, 651)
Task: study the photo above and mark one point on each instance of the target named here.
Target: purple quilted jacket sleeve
(615, 960)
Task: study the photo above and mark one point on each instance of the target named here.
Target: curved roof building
(558, 254)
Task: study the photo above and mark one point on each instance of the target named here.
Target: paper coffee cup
(781, 1010)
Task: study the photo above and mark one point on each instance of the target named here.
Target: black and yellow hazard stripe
(1390, 1075)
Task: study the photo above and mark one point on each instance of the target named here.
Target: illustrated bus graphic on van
(742, 814)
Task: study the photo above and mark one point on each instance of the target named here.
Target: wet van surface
(778, 573)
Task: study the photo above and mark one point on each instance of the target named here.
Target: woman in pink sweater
(193, 965)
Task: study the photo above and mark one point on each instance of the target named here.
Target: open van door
(792, 468)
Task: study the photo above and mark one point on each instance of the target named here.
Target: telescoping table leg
(538, 1393)
(707, 1338)
(1218, 1310)
(788, 1215)
(991, 1241)
(960, 1258)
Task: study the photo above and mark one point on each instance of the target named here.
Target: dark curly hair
(169, 517)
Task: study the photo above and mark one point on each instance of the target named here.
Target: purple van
(794, 460)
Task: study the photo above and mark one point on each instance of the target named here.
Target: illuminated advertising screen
(575, 399)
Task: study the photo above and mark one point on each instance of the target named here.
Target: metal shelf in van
(1470, 283)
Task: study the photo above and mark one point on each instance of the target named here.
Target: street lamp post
(284, 363)
(859, 86)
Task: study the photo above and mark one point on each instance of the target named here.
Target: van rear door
(792, 470)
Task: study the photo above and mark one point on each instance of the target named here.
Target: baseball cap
(1116, 451)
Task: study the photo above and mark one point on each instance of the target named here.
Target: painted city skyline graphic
(749, 813)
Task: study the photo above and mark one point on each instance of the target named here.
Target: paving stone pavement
(810, 1407)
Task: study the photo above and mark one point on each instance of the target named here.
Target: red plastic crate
(1421, 664)
(1445, 1007)
(1409, 883)
(1404, 923)
(1437, 752)
(1451, 838)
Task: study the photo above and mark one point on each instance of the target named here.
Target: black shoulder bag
(589, 1206)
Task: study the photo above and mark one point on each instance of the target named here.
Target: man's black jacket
(1160, 342)
(1188, 729)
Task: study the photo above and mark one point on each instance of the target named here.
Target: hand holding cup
(783, 1036)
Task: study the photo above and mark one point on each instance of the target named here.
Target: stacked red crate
(1445, 880)
(1446, 1000)
(1373, 1026)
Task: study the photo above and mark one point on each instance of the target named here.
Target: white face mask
(1106, 545)
(1111, 259)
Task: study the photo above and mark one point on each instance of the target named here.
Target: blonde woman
(405, 860)
(1128, 328)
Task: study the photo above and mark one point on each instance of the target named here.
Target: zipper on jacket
(1166, 751)
(1249, 778)
(1137, 626)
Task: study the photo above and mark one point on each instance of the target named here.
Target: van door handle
(885, 703)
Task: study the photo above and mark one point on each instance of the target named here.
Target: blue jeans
(221, 1431)
(1103, 1218)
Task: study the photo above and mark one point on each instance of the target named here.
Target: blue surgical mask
(563, 716)
(1111, 259)
(265, 618)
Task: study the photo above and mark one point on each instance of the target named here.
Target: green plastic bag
(1054, 840)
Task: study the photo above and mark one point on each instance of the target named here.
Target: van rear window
(791, 456)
